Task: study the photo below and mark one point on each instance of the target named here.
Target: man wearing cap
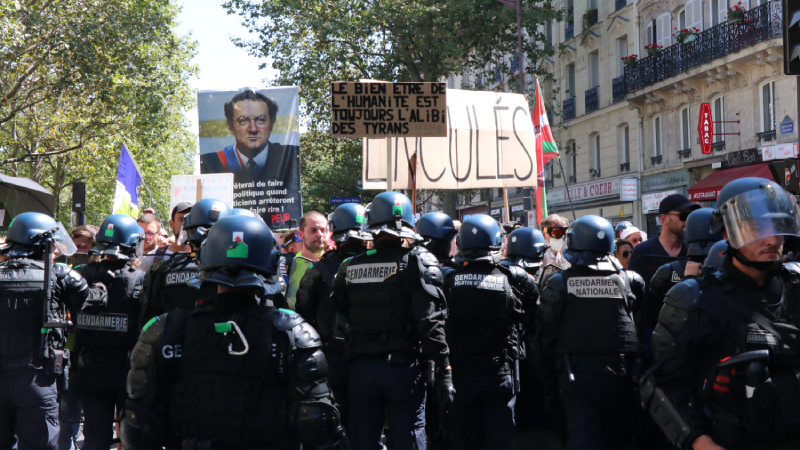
(175, 224)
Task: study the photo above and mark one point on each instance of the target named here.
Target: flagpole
(564, 175)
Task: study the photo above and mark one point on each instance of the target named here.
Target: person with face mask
(554, 229)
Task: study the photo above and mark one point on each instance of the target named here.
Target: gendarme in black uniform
(587, 337)
(487, 303)
(105, 335)
(28, 397)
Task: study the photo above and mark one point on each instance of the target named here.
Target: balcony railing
(569, 31)
(592, 99)
(685, 153)
(766, 136)
(569, 108)
(619, 4)
(656, 160)
(625, 167)
(759, 24)
(618, 88)
(718, 146)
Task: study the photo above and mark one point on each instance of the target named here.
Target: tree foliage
(80, 78)
(314, 42)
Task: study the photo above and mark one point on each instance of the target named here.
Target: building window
(622, 52)
(663, 31)
(594, 142)
(548, 32)
(594, 70)
(570, 80)
(768, 106)
(686, 134)
(623, 144)
(657, 136)
(718, 12)
(693, 15)
(682, 19)
(718, 115)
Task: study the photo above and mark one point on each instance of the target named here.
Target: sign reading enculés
(388, 109)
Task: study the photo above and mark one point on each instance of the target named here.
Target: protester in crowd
(172, 246)
(313, 234)
(633, 235)
(623, 252)
(84, 239)
(554, 228)
(152, 230)
(290, 245)
(668, 246)
(621, 227)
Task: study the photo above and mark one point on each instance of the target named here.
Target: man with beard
(313, 234)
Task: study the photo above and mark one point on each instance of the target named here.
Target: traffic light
(791, 37)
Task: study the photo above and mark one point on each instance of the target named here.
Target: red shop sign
(705, 128)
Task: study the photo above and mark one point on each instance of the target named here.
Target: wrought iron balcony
(626, 167)
(569, 108)
(618, 88)
(766, 136)
(685, 153)
(718, 146)
(592, 98)
(759, 24)
(619, 4)
(569, 31)
(656, 160)
(549, 183)
(573, 179)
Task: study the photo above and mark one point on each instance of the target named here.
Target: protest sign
(184, 188)
(255, 135)
(490, 143)
(375, 109)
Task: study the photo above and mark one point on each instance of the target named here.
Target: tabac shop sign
(586, 192)
(705, 128)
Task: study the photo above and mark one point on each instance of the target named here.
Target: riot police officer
(716, 256)
(104, 336)
(437, 231)
(393, 301)
(525, 248)
(487, 302)
(31, 361)
(726, 344)
(314, 291)
(248, 374)
(587, 337)
(165, 283)
(699, 240)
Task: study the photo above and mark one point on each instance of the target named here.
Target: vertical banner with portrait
(255, 134)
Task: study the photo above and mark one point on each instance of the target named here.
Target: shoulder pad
(425, 257)
(684, 295)
(286, 319)
(515, 273)
(792, 267)
(663, 274)
(556, 282)
(72, 279)
(61, 270)
(154, 329)
(634, 277)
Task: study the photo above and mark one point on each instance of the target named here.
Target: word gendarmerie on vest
(600, 287)
(480, 281)
(175, 278)
(371, 273)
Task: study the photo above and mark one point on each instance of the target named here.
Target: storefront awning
(708, 188)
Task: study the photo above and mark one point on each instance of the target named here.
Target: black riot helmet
(697, 233)
(526, 243)
(436, 225)
(347, 222)
(239, 252)
(589, 239)
(26, 236)
(242, 212)
(118, 236)
(479, 232)
(203, 215)
(391, 212)
(621, 227)
(716, 255)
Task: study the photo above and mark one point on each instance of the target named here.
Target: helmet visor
(759, 214)
(63, 241)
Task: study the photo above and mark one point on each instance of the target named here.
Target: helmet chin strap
(760, 265)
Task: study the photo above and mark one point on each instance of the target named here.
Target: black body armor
(166, 288)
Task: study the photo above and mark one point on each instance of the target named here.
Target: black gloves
(444, 386)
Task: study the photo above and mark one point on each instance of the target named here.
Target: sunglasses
(149, 234)
(626, 253)
(683, 215)
(556, 232)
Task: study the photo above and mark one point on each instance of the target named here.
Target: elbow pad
(140, 429)
(318, 425)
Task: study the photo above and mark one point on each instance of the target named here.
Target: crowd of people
(370, 328)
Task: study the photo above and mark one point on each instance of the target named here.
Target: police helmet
(436, 225)
(238, 252)
(347, 221)
(716, 255)
(242, 212)
(479, 232)
(590, 234)
(527, 243)
(25, 234)
(118, 236)
(622, 226)
(697, 233)
(754, 208)
(203, 215)
(391, 212)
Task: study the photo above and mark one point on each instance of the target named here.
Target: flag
(546, 150)
(126, 197)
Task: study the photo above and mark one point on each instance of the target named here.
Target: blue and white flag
(126, 197)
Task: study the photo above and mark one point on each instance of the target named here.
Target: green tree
(314, 42)
(79, 79)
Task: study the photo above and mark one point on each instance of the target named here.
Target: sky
(222, 65)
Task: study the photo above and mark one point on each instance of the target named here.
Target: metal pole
(388, 164)
(507, 215)
(564, 174)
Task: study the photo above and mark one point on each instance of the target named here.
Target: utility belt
(624, 366)
(393, 358)
(88, 356)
